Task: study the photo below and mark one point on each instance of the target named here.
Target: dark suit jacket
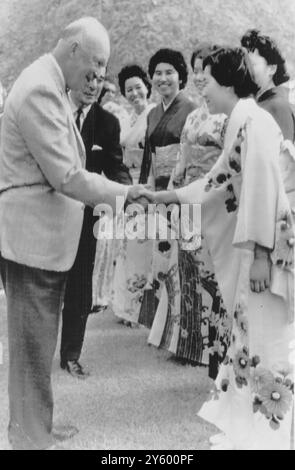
(102, 129)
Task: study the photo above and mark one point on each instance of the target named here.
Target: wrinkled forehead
(97, 50)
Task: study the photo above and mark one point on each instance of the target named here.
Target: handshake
(140, 194)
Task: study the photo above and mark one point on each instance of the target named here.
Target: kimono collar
(267, 94)
(166, 106)
(239, 114)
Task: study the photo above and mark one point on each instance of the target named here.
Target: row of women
(229, 303)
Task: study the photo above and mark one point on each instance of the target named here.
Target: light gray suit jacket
(43, 185)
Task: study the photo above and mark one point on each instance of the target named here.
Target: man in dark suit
(100, 132)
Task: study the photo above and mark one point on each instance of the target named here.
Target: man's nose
(93, 84)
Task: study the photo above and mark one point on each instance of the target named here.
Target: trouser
(34, 300)
(78, 294)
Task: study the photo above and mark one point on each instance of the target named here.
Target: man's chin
(89, 101)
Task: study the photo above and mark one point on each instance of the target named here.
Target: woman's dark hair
(202, 51)
(172, 57)
(231, 68)
(268, 49)
(130, 71)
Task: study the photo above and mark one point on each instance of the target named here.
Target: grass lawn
(136, 398)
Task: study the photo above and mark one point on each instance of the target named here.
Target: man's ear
(73, 48)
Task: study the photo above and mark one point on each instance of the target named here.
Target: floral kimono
(190, 321)
(160, 155)
(133, 256)
(244, 202)
(132, 141)
(116, 286)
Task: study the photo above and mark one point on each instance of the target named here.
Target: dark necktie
(78, 122)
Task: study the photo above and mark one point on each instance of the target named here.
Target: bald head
(85, 31)
(83, 51)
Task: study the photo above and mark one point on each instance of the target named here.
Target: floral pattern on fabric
(234, 168)
(283, 253)
(252, 401)
(200, 145)
(234, 160)
(200, 332)
(271, 390)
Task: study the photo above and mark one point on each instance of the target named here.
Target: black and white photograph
(147, 227)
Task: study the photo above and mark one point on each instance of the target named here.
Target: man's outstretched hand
(140, 194)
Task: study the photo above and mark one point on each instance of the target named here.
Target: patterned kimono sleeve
(259, 146)
(195, 192)
(178, 173)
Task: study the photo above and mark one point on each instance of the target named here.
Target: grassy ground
(136, 398)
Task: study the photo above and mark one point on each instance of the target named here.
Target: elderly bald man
(43, 190)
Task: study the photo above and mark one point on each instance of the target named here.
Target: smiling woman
(194, 331)
(248, 224)
(226, 83)
(136, 88)
(132, 263)
(269, 71)
(168, 71)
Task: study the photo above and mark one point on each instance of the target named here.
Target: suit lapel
(57, 75)
(79, 140)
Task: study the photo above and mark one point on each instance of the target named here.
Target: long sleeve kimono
(244, 203)
(162, 142)
(133, 256)
(132, 141)
(164, 131)
(190, 320)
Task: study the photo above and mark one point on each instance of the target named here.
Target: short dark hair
(172, 57)
(231, 68)
(202, 51)
(133, 70)
(268, 49)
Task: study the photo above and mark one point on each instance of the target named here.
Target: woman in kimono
(191, 320)
(168, 71)
(136, 88)
(132, 263)
(269, 72)
(247, 223)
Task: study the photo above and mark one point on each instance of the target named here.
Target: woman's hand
(260, 270)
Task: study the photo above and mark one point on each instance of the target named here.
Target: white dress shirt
(85, 110)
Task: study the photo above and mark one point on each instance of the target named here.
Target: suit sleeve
(46, 130)
(113, 166)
